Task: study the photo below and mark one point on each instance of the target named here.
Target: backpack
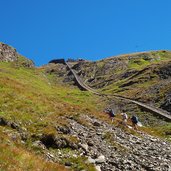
(112, 114)
(134, 119)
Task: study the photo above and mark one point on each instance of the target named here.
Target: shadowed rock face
(57, 61)
(165, 71)
(167, 103)
(7, 53)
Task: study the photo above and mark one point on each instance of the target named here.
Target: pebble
(90, 160)
(100, 159)
(97, 168)
(84, 146)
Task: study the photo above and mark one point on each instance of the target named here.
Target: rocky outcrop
(57, 69)
(57, 61)
(167, 103)
(25, 62)
(165, 71)
(56, 141)
(9, 54)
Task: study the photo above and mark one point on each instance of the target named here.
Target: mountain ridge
(151, 65)
(135, 54)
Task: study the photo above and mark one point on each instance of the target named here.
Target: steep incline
(144, 77)
(150, 108)
(80, 82)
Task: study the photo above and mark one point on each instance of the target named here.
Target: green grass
(31, 99)
(138, 64)
(26, 94)
(14, 157)
(144, 60)
(79, 164)
(159, 131)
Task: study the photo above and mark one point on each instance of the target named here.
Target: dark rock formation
(55, 141)
(3, 122)
(165, 71)
(167, 103)
(57, 61)
(63, 129)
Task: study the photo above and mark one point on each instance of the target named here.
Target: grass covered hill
(33, 104)
(47, 123)
(142, 76)
(32, 107)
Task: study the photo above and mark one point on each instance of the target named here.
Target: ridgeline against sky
(91, 29)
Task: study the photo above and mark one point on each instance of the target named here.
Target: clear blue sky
(92, 29)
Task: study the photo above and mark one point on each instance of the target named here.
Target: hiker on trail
(111, 114)
(134, 120)
(124, 118)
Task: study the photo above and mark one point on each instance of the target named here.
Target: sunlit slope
(28, 95)
(144, 76)
(32, 106)
(15, 157)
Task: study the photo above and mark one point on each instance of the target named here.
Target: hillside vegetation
(47, 123)
(144, 76)
(33, 105)
(15, 157)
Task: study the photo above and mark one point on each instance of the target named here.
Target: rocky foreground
(110, 148)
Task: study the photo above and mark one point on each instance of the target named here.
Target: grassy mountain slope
(40, 107)
(32, 107)
(15, 157)
(143, 76)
